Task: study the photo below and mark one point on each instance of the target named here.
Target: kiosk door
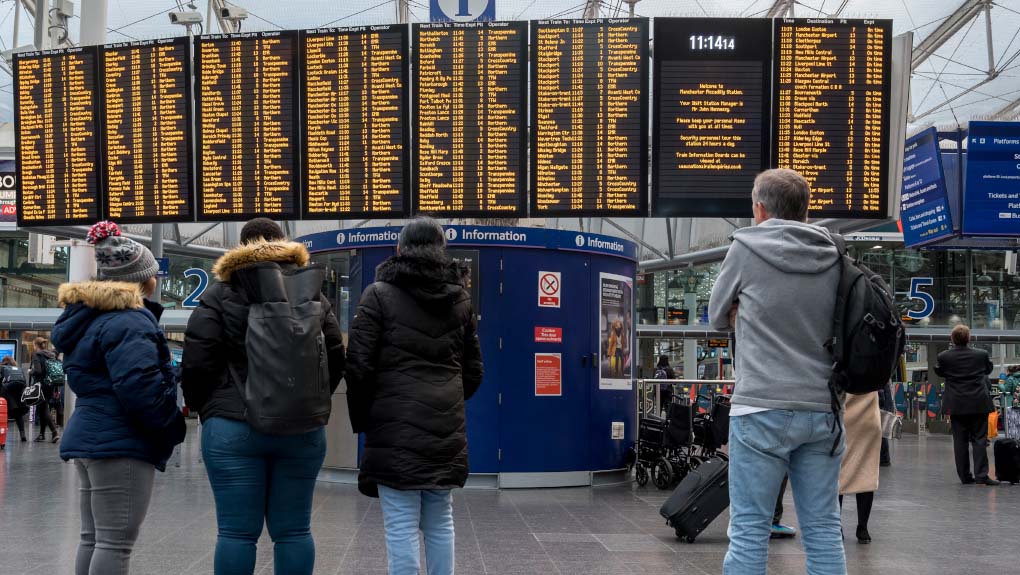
(545, 397)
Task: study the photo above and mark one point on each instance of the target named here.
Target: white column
(81, 267)
(93, 22)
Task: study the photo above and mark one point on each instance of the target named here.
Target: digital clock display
(699, 42)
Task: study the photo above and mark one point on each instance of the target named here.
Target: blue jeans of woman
(258, 480)
(407, 512)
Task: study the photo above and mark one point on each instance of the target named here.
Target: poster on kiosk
(616, 301)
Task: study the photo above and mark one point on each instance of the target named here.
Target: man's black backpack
(868, 334)
(287, 389)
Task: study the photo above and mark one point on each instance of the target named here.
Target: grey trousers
(115, 496)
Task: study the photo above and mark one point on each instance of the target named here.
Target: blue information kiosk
(557, 405)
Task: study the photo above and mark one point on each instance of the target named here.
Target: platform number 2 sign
(203, 282)
(915, 293)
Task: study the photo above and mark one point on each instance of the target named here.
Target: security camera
(233, 13)
(185, 18)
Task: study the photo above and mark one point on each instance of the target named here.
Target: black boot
(863, 537)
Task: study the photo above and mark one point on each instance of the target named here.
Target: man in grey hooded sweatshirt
(777, 288)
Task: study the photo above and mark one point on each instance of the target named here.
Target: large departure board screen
(147, 131)
(831, 123)
(56, 111)
(470, 90)
(711, 114)
(355, 117)
(248, 147)
(589, 117)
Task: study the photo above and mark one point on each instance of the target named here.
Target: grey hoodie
(784, 276)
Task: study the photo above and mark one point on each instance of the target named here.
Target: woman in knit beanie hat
(126, 421)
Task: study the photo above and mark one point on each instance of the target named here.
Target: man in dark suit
(968, 403)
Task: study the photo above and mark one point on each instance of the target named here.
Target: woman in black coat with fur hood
(413, 360)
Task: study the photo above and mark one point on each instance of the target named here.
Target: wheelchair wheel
(641, 474)
(662, 474)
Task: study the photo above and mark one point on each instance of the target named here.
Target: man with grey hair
(777, 288)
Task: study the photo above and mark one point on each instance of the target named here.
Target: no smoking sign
(549, 287)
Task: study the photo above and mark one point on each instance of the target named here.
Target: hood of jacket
(791, 247)
(428, 281)
(85, 301)
(280, 252)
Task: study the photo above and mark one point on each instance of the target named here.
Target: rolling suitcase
(3, 423)
(1007, 460)
(698, 500)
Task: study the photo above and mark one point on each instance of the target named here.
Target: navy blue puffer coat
(118, 364)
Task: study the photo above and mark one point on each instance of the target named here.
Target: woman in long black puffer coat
(413, 360)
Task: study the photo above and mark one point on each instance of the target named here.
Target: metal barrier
(651, 402)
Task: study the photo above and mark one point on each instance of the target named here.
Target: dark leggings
(864, 503)
(20, 420)
(42, 417)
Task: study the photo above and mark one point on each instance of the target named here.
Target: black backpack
(287, 390)
(867, 332)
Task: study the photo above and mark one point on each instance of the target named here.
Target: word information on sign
(711, 111)
(924, 202)
(56, 111)
(550, 285)
(247, 125)
(470, 93)
(832, 111)
(147, 131)
(355, 118)
(991, 199)
(589, 117)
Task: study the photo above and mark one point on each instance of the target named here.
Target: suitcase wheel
(682, 537)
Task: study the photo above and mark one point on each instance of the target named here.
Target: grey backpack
(286, 391)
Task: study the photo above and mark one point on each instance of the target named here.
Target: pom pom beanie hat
(119, 258)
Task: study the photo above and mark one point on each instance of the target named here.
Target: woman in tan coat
(858, 474)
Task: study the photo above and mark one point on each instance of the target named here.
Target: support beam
(988, 39)
(206, 230)
(669, 238)
(403, 11)
(954, 98)
(963, 15)
(592, 8)
(780, 8)
(634, 237)
(93, 22)
(1009, 110)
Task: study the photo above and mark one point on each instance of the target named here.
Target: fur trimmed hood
(102, 295)
(248, 254)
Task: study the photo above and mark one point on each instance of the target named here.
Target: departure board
(831, 113)
(470, 94)
(246, 102)
(147, 131)
(589, 117)
(711, 117)
(356, 138)
(56, 111)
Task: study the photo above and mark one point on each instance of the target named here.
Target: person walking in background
(664, 371)
(126, 422)
(968, 402)
(41, 358)
(888, 414)
(260, 477)
(858, 474)
(414, 360)
(1008, 389)
(12, 382)
(781, 420)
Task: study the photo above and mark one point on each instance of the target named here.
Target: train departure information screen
(355, 111)
(56, 111)
(711, 114)
(147, 131)
(246, 91)
(470, 94)
(589, 110)
(832, 111)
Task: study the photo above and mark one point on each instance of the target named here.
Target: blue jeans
(262, 479)
(404, 513)
(764, 447)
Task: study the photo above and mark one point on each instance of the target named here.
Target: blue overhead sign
(462, 10)
(924, 204)
(478, 236)
(991, 198)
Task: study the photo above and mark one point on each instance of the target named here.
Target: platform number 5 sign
(462, 10)
(915, 293)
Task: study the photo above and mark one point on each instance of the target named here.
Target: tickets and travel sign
(478, 236)
(991, 198)
(924, 203)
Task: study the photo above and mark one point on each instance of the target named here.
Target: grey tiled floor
(923, 522)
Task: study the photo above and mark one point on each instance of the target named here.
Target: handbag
(993, 425)
(888, 423)
(33, 395)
